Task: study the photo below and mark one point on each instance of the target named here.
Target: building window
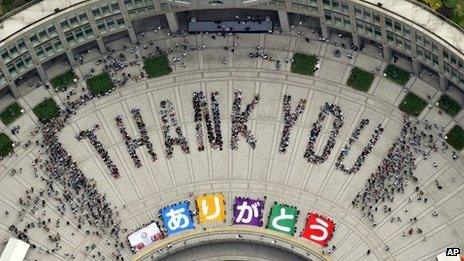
(34, 39)
(43, 35)
(347, 22)
(367, 15)
(105, 10)
(115, 7)
(390, 37)
(73, 20)
(445, 54)
(345, 8)
(96, 12)
(13, 50)
(388, 23)
(83, 17)
(21, 45)
(64, 24)
(51, 30)
(357, 11)
(419, 39)
(328, 16)
(5, 55)
(376, 18)
(377, 31)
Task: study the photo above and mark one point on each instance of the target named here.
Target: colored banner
(318, 229)
(248, 211)
(211, 208)
(282, 218)
(145, 236)
(177, 218)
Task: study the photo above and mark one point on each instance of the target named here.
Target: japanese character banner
(282, 218)
(177, 218)
(211, 208)
(318, 229)
(248, 211)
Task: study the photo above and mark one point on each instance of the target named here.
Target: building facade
(72, 27)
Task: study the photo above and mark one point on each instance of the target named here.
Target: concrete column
(93, 24)
(125, 15)
(11, 84)
(101, 45)
(416, 67)
(443, 82)
(325, 31)
(38, 66)
(132, 35)
(356, 40)
(65, 44)
(173, 22)
(14, 90)
(70, 57)
(283, 19)
(387, 54)
(42, 75)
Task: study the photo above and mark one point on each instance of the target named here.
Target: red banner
(318, 229)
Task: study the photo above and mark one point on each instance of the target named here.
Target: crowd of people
(239, 120)
(289, 120)
(131, 143)
(364, 153)
(213, 124)
(77, 198)
(326, 109)
(395, 171)
(169, 119)
(98, 146)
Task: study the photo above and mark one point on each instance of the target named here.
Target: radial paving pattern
(287, 178)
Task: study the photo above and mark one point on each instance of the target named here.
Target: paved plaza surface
(140, 192)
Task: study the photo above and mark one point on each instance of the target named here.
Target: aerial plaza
(231, 130)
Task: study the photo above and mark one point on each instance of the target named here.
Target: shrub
(6, 145)
(61, 82)
(303, 64)
(156, 67)
(448, 105)
(412, 104)
(100, 84)
(46, 110)
(397, 75)
(360, 80)
(11, 113)
(456, 138)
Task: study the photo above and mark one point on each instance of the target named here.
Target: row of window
(135, 4)
(337, 19)
(371, 30)
(453, 60)
(109, 17)
(13, 50)
(20, 64)
(110, 23)
(106, 10)
(50, 48)
(453, 74)
(2, 79)
(74, 21)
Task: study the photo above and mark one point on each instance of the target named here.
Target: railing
(419, 25)
(18, 9)
(41, 19)
(442, 17)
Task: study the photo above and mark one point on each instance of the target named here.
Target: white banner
(145, 236)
